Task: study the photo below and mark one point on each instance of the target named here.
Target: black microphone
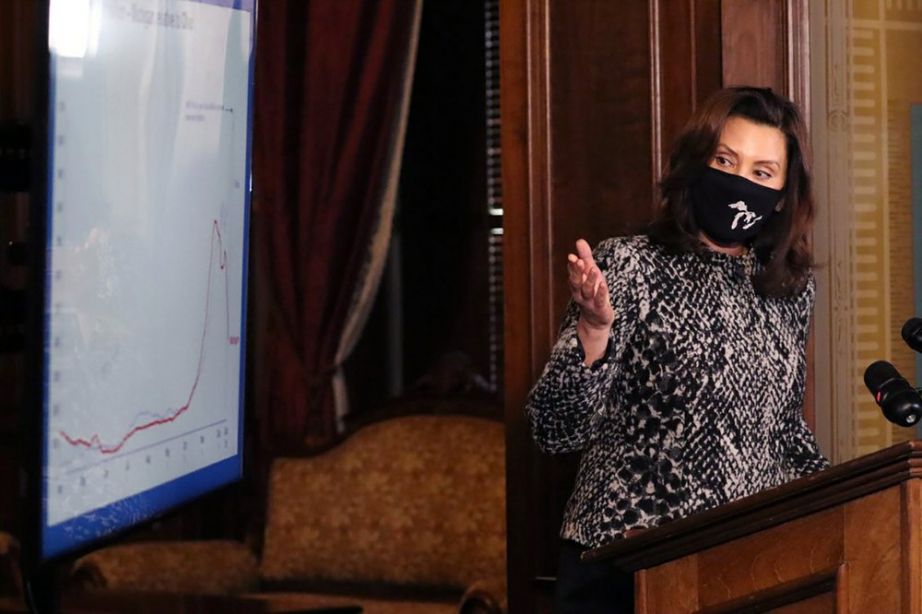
(912, 333)
(900, 402)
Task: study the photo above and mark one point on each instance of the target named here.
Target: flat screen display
(149, 119)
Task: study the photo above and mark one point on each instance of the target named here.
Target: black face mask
(730, 209)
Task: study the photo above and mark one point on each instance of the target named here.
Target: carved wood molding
(797, 56)
(825, 581)
(834, 313)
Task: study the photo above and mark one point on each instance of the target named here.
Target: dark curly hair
(783, 246)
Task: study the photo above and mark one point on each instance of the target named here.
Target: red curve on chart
(94, 441)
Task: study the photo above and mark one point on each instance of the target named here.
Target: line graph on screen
(146, 266)
(146, 420)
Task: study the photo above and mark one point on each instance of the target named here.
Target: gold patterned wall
(885, 54)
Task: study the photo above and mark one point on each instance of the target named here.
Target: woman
(679, 368)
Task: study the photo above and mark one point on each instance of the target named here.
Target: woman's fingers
(578, 273)
(601, 297)
(587, 284)
(584, 253)
(584, 280)
(590, 282)
(575, 272)
(583, 270)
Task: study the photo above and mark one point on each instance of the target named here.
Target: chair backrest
(417, 500)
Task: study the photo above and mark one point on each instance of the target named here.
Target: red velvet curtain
(328, 85)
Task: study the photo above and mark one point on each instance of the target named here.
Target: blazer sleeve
(569, 396)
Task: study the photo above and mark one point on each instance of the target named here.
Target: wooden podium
(848, 539)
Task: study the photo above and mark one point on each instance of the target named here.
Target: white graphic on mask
(745, 216)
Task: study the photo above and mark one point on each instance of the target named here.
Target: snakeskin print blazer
(696, 402)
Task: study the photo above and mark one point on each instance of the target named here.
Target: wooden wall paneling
(678, 30)
(753, 43)
(17, 60)
(600, 122)
(766, 43)
(516, 24)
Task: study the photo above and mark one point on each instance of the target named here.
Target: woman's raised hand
(590, 292)
(588, 288)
